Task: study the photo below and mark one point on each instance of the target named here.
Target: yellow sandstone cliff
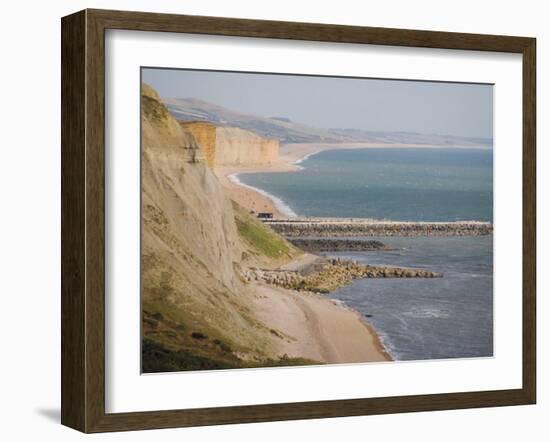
(232, 146)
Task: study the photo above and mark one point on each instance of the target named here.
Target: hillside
(287, 131)
(190, 109)
(196, 305)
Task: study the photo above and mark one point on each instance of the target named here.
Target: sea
(387, 183)
(416, 319)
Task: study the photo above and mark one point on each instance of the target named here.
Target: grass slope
(266, 245)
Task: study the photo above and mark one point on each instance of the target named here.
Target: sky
(459, 109)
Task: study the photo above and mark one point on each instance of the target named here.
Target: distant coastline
(296, 153)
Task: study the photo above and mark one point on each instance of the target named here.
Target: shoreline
(281, 207)
(290, 157)
(316, 327)
(252, 198)
(323, 328)
(326, 329)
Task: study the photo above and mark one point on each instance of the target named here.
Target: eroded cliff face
(194, 298)
(236, 147)
(205, 134)
(232, 146)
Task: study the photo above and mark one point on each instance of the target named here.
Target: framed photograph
(268, 220)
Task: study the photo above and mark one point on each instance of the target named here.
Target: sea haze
(401, 184)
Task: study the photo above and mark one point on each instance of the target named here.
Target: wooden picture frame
(83, 220)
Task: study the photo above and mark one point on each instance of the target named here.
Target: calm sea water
(383, 183)
(448, 317)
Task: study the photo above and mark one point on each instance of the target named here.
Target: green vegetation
(260, 237)
(261, 240)
(157, 359)
(174, 346)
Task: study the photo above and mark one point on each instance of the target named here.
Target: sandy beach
(247, 197)
(314, 327)
(307, 325)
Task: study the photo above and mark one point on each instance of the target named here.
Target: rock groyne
(310, 227)
(338, 245)
(333, 274)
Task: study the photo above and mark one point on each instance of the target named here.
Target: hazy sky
(333, 102)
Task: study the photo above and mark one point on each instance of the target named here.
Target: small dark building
(265, 215)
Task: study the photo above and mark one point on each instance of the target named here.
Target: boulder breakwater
(343, 227)
(332, 274)
(338, 245)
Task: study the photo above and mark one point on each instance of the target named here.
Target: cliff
(196, 304)
(160, 130)
(232, 146)
(235, 147)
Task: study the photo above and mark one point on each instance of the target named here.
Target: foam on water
(434, 318)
